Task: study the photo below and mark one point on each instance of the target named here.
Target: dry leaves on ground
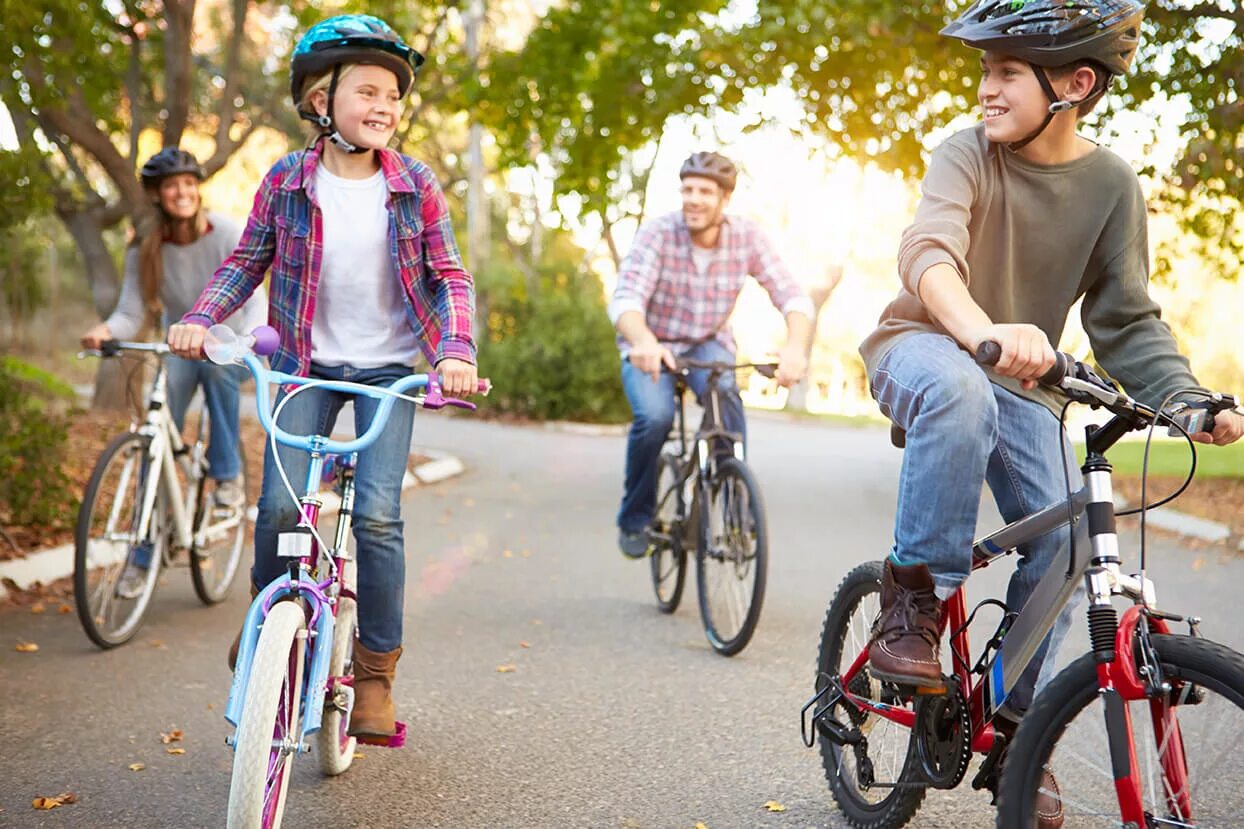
(774, 806)
(26, 647)
(46, 803)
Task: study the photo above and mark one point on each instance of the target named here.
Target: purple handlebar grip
(266, 340)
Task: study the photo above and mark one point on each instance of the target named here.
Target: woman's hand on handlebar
(1026, 352)
(458, 377)
(95, 336)
(185, 339)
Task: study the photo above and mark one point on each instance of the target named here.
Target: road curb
(52, 563)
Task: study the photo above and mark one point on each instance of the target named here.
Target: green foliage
(548, 346)
(34, 489)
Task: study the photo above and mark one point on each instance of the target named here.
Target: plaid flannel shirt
(285, 232)
(682, 306)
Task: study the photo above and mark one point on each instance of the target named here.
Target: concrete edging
(48, 565)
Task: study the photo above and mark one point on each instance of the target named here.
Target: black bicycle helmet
(170, 161)
(352, 38)
(711, 165)
(1054, 33)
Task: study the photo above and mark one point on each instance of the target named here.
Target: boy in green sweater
(1020, 217)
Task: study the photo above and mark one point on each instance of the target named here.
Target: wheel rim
(284, 733)
(731, 569)
(667, 557)
(220, 537)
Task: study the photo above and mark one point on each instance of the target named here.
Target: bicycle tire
(334, 746)
(214, 565)
(111, 509)
(1189, 663)
(732, 556)
(271, 713)
(848, 621)
(668, 560)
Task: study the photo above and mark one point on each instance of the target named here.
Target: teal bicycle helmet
(352, 38)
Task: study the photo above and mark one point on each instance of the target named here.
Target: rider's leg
(932, 389)
(1026, 473)
(732, 416)
(182, 378)
(378, 530)
(653, 406)
(221, 387)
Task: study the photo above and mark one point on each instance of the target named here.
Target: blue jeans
(220, 388)
(378, 526)
(962, 432)
(653, 406)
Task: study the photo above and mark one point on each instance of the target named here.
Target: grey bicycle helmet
(1053, 33)
(170, 161)
(711, 165)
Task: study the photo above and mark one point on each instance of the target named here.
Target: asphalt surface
(613, 715)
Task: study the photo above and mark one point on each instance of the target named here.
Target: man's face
(703, 203)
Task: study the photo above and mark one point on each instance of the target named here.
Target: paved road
(615, 715)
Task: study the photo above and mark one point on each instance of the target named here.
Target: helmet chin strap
(1056, 106)
(325, 122)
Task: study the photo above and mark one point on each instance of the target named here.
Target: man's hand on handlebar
(1026, 352)
(792, 365)
(1228, 428)
(649, 356)
(185, 339)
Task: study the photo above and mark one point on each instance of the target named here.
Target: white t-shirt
(703, 258)
(360, 317)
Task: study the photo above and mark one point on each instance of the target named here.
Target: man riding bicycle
(675, 292)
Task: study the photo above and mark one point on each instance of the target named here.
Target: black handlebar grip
(989, 352)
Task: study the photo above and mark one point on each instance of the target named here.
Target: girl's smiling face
(366, 106)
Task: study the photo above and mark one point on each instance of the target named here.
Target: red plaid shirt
(682, 306)
(285, 232)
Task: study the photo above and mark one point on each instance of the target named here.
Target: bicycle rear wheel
(877, 783)
(268, 736)
(1195, 732)
(669, 556)
(731, 557)
(334, 746)
(114, 570)
(220, 533)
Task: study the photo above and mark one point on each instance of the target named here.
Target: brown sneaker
(1049, 808)
(906, 635)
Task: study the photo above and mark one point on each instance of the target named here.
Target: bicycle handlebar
(113, 348)
(764, 369)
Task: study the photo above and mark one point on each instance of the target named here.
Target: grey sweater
(1029, 241)
(187, 270)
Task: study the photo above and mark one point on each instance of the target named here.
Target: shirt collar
(395, 174)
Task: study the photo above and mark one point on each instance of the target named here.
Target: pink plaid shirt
(683, 306)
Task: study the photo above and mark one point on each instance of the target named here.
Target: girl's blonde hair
(320, 83)
(152, 233)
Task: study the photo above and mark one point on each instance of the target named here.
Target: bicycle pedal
(929, 690)
(396, 741)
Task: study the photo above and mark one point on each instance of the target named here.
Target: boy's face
(703, 202)
(1011, 97)
(366, 106)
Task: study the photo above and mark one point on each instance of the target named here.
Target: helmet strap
(1056, 106)
(325, 122)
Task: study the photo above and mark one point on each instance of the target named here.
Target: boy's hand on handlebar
(458, 377)
(185, 339)
(650, 356)
(1026, 352)
(792, 366)
(1228, 428)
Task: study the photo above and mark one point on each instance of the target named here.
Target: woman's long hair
(153, 231)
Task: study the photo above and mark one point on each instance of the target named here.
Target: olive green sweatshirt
(1029, 240)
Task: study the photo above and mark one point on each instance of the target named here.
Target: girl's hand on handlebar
(1228, 428)
(1026, 352)
(458, 378)
(185, 339)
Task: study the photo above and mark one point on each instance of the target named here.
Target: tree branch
(179, 17)
(226, 112)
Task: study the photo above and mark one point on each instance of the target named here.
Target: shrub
(34, 489)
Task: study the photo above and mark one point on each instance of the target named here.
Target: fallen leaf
(38, 607)
(701, 826)
(506, 669)
(173, 736)
(358, 755)
(774, 806)
(175, 751)
(508, 553)
(1198, 563)
(137, 766)
(46, 803)
(158, 643)
(28, 647)
(64, 609)
(211, 706)
(524, 644)
(526, 553)
(468, 502)
(536, 622)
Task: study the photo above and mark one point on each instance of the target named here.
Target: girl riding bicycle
(365, 277)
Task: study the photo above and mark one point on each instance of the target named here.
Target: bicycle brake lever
(435, 399)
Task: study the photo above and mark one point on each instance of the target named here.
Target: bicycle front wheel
(1187, 744)
(268, 735)
(669, 557)
(731, 557)
(220, 533)
(114, 569)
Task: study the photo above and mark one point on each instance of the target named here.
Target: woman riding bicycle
(366, 277)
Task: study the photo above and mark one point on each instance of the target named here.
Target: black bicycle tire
(735, 644)
(902, 803)
(201, 588)
(1200, 661)
(82, 530)
(675, 548)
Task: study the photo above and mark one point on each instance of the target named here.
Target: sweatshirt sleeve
(242, 273)
(939, 232)
(1124, 324)
(638, 274)
(126, 320)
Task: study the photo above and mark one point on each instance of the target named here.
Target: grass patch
(1172, 458)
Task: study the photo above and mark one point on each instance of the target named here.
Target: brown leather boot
(906, 635)
(1049, 808)
(237, 640)
(373, 714)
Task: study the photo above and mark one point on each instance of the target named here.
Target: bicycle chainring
(943, 735)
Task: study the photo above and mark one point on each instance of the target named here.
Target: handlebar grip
(989, 352)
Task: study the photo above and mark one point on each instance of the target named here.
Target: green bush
(34, 490)
(548, 346)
